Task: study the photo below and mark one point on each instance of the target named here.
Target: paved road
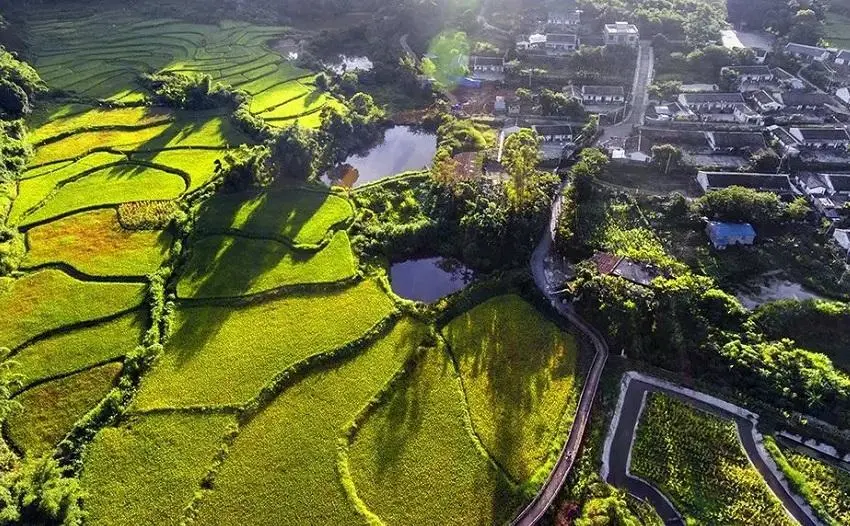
(544, 498)
(639, 94)
(622, 442)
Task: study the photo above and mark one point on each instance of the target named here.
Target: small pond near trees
(429, 279)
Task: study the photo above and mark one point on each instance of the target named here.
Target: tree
(520, 156)
(665, 90)
(798, 209)
(806, 28)
(293, 153)
(666, 156)
(14, 101)
(764, 161)
(322, 82)
(560, 104)
(243, 167)
(739, 204)
(38, 493)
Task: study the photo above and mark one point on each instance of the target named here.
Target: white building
(621, 34)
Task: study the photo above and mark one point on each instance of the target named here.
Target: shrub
(39, 493)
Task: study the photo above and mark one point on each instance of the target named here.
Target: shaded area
(282, 467)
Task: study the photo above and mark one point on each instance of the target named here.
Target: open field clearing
(83, 143)
(824, 486)
(517, 369)
(696, 460)
(271, 96)
(97, 119)
(227, 266)
(310, 120)
(50, 410)
(147, 470)
(414, 460)
(837, 30)
(301, 216)
(50, 299)
(112, 186)
(80, 348)
(96, 244)
(224, 355)
(282, 467)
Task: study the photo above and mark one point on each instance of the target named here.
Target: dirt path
(617, 454)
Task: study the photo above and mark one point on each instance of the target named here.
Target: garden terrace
(696, 460)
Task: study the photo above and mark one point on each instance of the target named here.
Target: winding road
(617, 453)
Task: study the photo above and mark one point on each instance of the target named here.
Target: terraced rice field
(100, 55)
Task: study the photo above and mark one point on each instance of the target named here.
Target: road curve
(621, 444)
(544, 498)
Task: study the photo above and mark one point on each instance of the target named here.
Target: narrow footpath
(617, 452)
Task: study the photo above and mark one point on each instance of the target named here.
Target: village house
(479, 64)
(723, 235)
(750, 73)
(843, 95)
(603, 94)
(506, 105)
(621, 34)
(710, 102)
(842, 58)
(807, 53)
(723, 141)
(808, 101)
(564, 19)
(787, 80)
(765, 102)
(777, 183)
(828, 193)
(842, 239)
(561, 43)
(558, 133)
(535, 41)
(634, 271)
(743, 114)
(821, 137)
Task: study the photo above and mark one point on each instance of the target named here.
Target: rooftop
(699, 98)
(835, 133)
(763, 97)
(724, 139)
(486, 61)
(801, 98)
(843, 54)
(610, 91)
(553, 129)
(779, 183)
(750, 70)
(723, 229)
(567, 38)
(802, 49)
(621, 28)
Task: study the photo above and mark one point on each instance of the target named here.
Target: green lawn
(824, 486)
(837, 30)
(50, 299)
(50, 410)
(414, 460)
(301, 216)
(697, 461)
(95, 243)
(224, 355)
(147, 470)
(228, 266)
(75, 350)
(282, 467)
(518, 370)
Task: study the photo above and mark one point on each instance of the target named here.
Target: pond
(773, 289)
(429, 279)
(403, 148)
(346, 63)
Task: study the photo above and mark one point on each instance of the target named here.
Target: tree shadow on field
(222, 267)
(505, 352)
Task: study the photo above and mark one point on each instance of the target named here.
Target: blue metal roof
(731, 229)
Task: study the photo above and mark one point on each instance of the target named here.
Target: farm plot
(147, 470)
(101, 57)
(78, 349)
(66, 121)
(414, 461)
(196, 164)
(518, 370)
(228, 266)
(296, 215)
(48, 300)
(224, 355)
(95, 243)
(824, 486)
(50, 410)
(282, 468)
(696, 460)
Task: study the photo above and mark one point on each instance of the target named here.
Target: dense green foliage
(39, 492)
(695, 459)
(823, 485)
(739, 204)
(517, 370)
